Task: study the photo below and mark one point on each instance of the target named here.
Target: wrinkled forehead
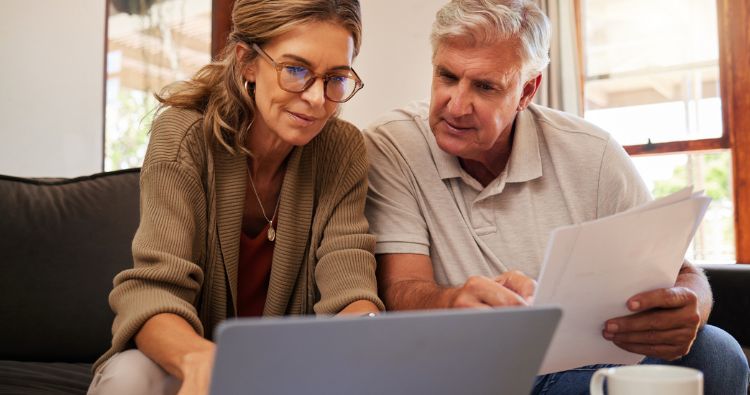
(509, 45)
(501, 54)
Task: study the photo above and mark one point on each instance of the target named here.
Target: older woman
(252, 198)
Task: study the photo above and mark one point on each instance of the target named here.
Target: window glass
(151, 43)
(635, 35)
(652, 69)
(711, 172)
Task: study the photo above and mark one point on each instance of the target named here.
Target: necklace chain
(271, 230)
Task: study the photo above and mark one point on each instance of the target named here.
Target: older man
(465, 191)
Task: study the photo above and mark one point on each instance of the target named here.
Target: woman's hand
(360, 307)
(196, 370)
(171, 342)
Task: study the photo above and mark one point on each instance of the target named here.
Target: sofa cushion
(61, 243)
(30, 378)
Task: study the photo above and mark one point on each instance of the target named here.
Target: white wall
(395, 59)
(51, 87)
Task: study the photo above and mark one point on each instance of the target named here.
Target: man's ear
(529, 90)
(241, 52)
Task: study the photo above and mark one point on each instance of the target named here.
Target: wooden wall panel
(221, 24)
(734, 59)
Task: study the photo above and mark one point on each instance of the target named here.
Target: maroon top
(254, 272)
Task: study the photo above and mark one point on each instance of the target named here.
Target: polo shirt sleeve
(620, 185)
(393, 208)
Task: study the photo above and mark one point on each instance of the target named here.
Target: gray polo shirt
(562, 170)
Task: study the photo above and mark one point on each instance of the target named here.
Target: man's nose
(459, 102)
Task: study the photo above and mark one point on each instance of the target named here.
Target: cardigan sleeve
(345, 271)
(167, 247)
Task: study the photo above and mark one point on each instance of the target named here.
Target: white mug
(648, 380)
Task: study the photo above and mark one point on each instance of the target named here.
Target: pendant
(271, 233)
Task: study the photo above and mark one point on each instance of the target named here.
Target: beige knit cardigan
(186, 248)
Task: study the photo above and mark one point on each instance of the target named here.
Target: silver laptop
(496, 351)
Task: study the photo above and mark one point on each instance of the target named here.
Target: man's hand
(519, 283)
(407, 282)
(664, 324)
(509, 289)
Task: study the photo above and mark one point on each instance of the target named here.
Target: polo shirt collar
(447, 165)
(524, 164)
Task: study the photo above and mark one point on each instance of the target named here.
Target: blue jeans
(715, 353)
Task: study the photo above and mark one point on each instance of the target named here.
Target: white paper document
(591, 270)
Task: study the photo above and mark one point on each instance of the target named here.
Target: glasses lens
(340, 88)
(294, 78)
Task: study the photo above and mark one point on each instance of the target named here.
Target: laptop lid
(434, 352)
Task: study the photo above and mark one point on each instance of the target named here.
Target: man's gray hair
(486, 22)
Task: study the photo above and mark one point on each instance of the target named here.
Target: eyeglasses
(337, 87)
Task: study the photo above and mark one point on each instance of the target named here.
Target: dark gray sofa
(62, 242)
(731, 289)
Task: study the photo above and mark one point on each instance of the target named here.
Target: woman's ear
(242, 52)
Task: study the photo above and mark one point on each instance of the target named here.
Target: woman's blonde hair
(217, 90)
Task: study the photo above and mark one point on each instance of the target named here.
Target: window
(150, 44)
(652, 79)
